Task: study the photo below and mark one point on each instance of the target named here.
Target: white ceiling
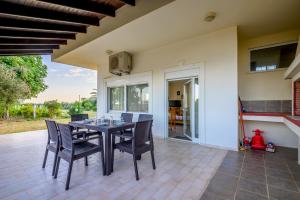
(183, 19)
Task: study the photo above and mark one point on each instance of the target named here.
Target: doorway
(183, 102)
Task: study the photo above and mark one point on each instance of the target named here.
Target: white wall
(278, 133)
(218, 50)
(263, 85)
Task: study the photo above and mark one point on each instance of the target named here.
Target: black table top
(102, 126)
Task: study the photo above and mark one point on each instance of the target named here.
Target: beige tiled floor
(183, 171)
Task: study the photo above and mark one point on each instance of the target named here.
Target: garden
(21, 78)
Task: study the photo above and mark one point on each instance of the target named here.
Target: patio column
(100, 92)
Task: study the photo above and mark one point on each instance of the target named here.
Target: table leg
(139, 157)
(108, 153)
(101, 143)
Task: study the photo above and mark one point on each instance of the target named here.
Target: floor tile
(253, 187)
(212, 196)
(183, 169)
(230, 170)
(278, 173)
(283, 194)
(255, 177)
(244, 195)
(223, 185)
(284, 184)
(254, 169)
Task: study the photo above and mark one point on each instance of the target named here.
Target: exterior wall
(256, 87)
(278, 133)
(218, 52)
(263, 85)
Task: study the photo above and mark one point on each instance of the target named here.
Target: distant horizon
(66, 83)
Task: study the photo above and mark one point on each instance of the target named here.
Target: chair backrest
(127, 117)
(145, 117)
(66, 136)
(52, 130)
(79, 117)
(141, 132)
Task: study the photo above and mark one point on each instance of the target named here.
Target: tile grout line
(239, 178)
(293, 178)
(267, 185)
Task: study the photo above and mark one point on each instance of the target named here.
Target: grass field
(21, 125)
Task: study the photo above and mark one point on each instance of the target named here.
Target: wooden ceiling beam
(20, 41)
(24, 52)
(45, 14)
(29, 47)
(129, 2)
(33, 34)
(86, 5)
(34, 25)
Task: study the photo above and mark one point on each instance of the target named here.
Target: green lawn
(21, 125)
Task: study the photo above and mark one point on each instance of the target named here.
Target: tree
(11, 89)
(88, 104)
(76, 108)
(54, 108)
(29, 69)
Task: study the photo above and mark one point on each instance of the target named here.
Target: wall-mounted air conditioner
(120, 63)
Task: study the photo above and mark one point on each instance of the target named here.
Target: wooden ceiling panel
(89, 6)
(34, 27)
(22, 41)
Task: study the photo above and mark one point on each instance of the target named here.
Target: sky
(66, 82)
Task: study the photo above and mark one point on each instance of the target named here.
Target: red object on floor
(258, 140)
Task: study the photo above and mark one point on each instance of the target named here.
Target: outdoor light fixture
(210, 16)
(109, 52)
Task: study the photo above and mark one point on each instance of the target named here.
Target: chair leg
(54, 163)
(86, 161)
(57, 167)
(45, 158)
(135, 168)
(152, 158)
(69, 175)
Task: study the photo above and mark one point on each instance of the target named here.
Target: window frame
(129, 80)
(108, 98)
(126, 86)
(265, 47)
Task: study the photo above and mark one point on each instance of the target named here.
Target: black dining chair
(145, 117)
(79, 117)
(138, 143)
(52, 142)
(71, 149)
(142, 117)
(126, 117)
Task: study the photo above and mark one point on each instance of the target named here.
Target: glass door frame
(190, 79)
(185, 72)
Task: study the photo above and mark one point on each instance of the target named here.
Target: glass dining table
(106, 128)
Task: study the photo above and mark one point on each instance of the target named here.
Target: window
(137, 98)
(272, 58)
(116, 98)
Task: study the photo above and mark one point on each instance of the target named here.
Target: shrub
(15, 111)
(76, 108)
(26, 111)
(54, 108)
(42, 112)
